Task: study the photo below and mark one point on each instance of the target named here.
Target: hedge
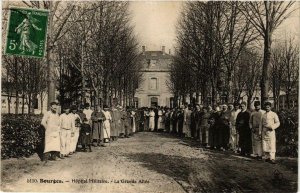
(21, 135)
(287, 133)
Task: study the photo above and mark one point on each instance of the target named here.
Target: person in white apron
(76, 123)
(66, 131)
(106, 124)
(269, 123)
(151, 120)
(255, 119)
(133, 121)
(51, 123)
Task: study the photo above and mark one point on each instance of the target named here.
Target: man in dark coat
(215, 121)
(243, 128)
(97, 121)
(197, 120)
(174, 121)
(224, 129)
(180, 120)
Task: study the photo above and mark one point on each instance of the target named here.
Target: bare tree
(266, 17)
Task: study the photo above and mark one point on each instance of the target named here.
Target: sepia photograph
(149, 96)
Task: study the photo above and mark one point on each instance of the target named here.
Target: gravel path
(154, 162)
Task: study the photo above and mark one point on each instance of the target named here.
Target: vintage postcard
(149, 96)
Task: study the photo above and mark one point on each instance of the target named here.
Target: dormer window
(153, 63)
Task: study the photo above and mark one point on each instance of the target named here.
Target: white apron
(106, 125)
(52, 134)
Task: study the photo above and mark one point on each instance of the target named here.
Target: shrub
(20, 135)
(287, 133)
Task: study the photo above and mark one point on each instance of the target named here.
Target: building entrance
(154, 101)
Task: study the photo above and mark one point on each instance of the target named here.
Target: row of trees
(91, 48)
(217, 53)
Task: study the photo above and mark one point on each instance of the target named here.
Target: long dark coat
(224, 130)
(215, 119)
(97, 122)
(243, 128)
(115, 123)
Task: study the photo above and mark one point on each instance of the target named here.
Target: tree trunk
(50, 64)
(287, 94)
(42, 106)
(249, 101)
(265, 83)
(198, 98)
(213, 95)
(23, 103)
(8, 104)
(17, 103)
(29, 104)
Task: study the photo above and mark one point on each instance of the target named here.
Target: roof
(155, 55)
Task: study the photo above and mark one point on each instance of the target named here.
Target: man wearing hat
(66, 122)
(255, 119)
(52, 129)
(268, 124)
(243, 128)
(234, 137)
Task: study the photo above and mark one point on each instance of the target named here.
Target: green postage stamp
(27, 32)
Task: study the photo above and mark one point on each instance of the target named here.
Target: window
(35, 103)
(172, 102)
(154, 101)
(153, 84)
(153, 63)
(136, 102)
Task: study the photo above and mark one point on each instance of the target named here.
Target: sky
(155, 23)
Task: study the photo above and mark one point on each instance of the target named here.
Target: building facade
(153, 90)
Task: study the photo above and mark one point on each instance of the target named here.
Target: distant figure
(105, 132)
(151, 120)
(85, 135)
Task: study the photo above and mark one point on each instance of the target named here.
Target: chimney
(143, 50)
(163, 50)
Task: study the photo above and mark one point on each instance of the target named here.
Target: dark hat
(236, 104)
(105, 107)
(73, 107)
(267, 103)
(66, 107)
(256, 103)
(244, 103)
(87, 104)
(53, 103)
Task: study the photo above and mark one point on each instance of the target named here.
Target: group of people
(78, 128)
(227, 127)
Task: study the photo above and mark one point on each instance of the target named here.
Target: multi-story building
(154, 90)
